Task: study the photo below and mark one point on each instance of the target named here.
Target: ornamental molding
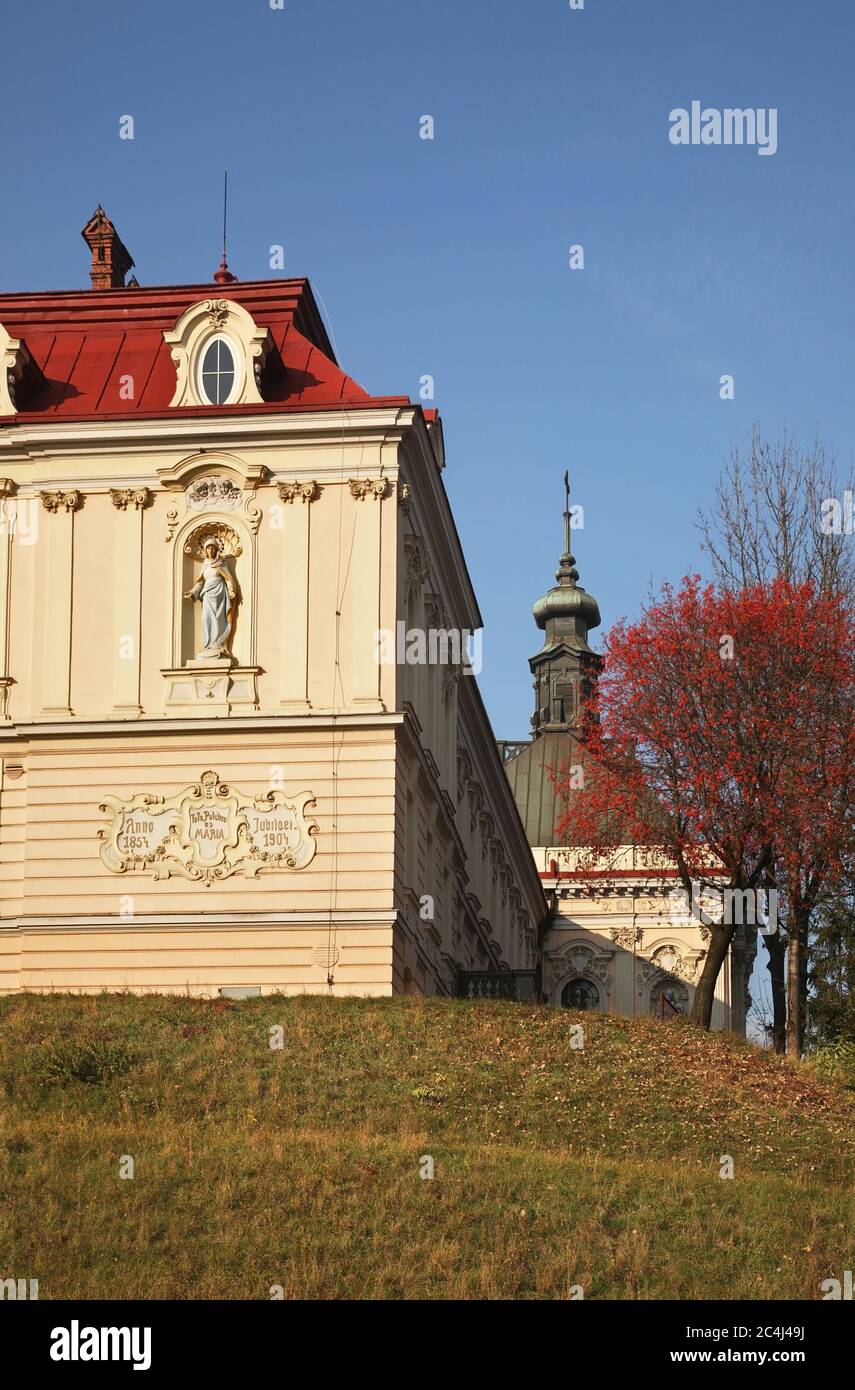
(15, 363)
(207, 832)
(252, 515)
(221, 485)
(362, 488)
(70, 501)
(433, 611)
(213, 492)
(628, 938)
(578, 959)
(217, 311)
(464, 773)
(307, 492)
(136, 498)
(220, 533)
(668, 963)
(416, 561)
(6, 682)
(450, 677)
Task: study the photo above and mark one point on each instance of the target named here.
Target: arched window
(580, 994)
(667, 999)
(217, 371)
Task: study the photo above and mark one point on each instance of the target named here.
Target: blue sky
(450, 257)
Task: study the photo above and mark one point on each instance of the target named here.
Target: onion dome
(567, 612)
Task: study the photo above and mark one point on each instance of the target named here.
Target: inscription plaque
(208, 832)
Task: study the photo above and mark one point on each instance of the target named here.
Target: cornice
(231, 727)
(381, 424)
(428, 516)
(190, 921)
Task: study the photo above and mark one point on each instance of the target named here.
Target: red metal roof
(84, 341)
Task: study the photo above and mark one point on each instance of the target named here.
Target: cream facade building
(241, 746)
(215, 777)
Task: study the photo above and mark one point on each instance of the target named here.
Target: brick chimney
(111, 259)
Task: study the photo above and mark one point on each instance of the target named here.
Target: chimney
(111, 259)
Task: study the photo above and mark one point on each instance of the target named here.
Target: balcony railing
(509, 748)
(518, 985)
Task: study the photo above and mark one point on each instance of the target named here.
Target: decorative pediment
(179, 477)
(669, 962)
(578, 958)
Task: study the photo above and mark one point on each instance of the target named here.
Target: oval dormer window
(217, 372)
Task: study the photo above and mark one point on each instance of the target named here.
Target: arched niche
(238, 556)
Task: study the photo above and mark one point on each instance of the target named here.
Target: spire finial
(225, 207)
(223, 276)
(567, 574)
(566, 512)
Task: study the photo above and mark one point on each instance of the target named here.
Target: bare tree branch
(767, 518)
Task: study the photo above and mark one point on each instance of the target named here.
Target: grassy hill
(301, 1166)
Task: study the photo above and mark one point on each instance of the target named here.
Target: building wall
(70, 923)
(101, 703)
(467, 892)
(629, 939)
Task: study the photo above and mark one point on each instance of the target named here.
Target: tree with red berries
(721, 740)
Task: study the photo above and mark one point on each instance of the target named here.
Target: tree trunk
(795, 983)
(777, 949)
(702, 1005)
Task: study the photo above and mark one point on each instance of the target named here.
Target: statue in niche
(215, 589)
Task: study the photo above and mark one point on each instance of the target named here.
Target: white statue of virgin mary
(215, 590)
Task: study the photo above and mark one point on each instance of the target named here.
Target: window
(580, 994)
(667, 999)
(217, 373)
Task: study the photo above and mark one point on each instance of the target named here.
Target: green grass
(300, 1167)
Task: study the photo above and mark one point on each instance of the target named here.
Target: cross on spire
(566, 512)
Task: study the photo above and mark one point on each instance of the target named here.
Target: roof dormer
(20, 374)
(219, 354)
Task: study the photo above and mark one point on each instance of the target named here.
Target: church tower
(564, 671)
(614, 942)
(566, 666)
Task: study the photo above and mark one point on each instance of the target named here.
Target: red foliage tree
(721, 739)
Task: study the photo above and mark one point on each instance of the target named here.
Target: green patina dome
(567, 599)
